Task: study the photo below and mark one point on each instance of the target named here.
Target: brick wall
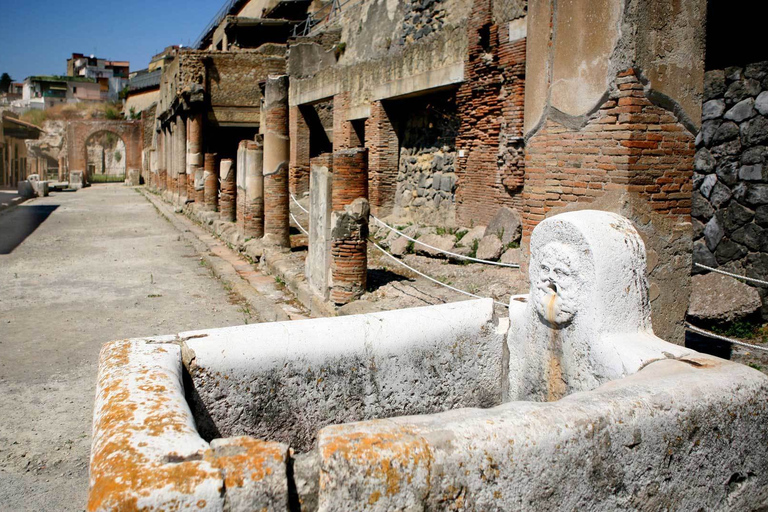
(299, 157)
(382, 144)
(629, 144)
(490, 102)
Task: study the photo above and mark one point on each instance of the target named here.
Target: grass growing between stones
(744, 330)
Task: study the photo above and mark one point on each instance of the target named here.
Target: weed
(755, 366)
(154, 295)
(512, 245)
(279, 280)
(409, 247)
(500, 234)
(473, 248)
(460, 234)
(744, 329)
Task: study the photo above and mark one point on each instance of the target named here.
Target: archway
(105, 157)
(80, 132)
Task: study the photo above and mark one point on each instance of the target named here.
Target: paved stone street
(76, 270)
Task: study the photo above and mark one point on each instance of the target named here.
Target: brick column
(299, 161)
(349, 221)
(180, 132)
(211, 183)
(195, 136)
(253, 225)
(276, 155)
(228, 190)
(383, 147)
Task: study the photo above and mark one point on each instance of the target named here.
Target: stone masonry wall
(730, 199)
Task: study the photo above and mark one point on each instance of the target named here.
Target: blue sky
(37, 36)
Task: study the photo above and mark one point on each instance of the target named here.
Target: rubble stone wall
(730, 199)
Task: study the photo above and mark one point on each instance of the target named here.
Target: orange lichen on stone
(248, 459)
(138, 420)
(394, 459)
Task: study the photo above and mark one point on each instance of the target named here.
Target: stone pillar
(240, 187)
(618, 134)
(62, 167)
(162, 173)
(253, 215)
(318, 261)
(349, 221)
(169, 160)
(195, 156)
(227, 173)
(211, 183)
(276, 155)
(181, 157)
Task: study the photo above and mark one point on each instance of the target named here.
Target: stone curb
(271, 261)
(262, 298)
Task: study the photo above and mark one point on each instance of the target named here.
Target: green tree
(5, 82)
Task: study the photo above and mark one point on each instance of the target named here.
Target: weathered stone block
(719, 298)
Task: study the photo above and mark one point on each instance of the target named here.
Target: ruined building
(584, 117)
(463, 106)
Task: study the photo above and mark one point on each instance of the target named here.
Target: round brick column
(253, 210)
(180, 156)
(349, 225)
(211, 183)
(195, 156)
(276, 155)
(227, 173)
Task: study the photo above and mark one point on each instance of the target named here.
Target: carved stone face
(556, 283)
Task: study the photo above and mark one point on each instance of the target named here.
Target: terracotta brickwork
(78, 133)
(276, 161)
(490, 102)
(350, 176)
(299, 161)
(383, 153)
(349, 246)
(228, 194)
(211, 186)
(629, 144)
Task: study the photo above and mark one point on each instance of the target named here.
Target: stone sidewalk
(95, 266)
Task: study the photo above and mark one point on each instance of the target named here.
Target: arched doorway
(105, 157)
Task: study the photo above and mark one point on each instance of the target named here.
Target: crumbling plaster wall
(610, 119)
(571, 78)
(371, 71)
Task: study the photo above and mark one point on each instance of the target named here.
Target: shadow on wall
(20, 223)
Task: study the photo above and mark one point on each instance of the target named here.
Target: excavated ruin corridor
(82, 268)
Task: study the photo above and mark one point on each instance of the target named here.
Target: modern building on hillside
(41, 92)
(111, 75)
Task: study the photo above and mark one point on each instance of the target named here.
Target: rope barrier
(299, 204)
(460, 256)
(737, 276)
(299, 225)
(703, 332)
(425, 276)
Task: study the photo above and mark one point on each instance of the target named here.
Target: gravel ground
(79, 269)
